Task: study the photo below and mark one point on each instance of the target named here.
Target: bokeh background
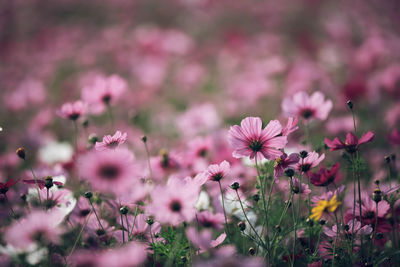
(195, 66)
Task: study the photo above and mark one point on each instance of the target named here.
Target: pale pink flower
(103, 91)
(210, 220)
(111, 141)
(73, 111)
(131, 255)
(203, 240)
(174, 203)
(38, 226)
(291, 126)
(109, 171)
(312, 160)
(307, 107)
(216, 172)
(250, 140)
(141, 229)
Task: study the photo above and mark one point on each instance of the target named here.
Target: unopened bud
(144, 139)
(235, 186)
(387, 159)
(377, 195)
(303, 154)
(48, 182)
(252, 251)
(93, 139)
(350, 104)
(88, 195)
(124, 210)
(150, 221)
(21, 153)
(289, 172)
(256, 197)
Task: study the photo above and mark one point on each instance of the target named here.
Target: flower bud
(252, 251)
(48, 182)
(303, 154)
(144, 139)
(150, 221)
(21, 153)
(235, 186)
(387, 159)
(322, 222)
(85, 123)
(241, 225)
(289, 172)
(278, 228)
(379, 236)
(88, 195)
(93, 139)
(350, 104)
(124, 210)
(256, 197)
(310, 222)
(377, 195)
(346, 227)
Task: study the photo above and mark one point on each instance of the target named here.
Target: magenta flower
(73, 111)
(111, 141)
(352, 142)
(284, 162)
(4, 187)
(348, 228)
(109, 171)
(368, 207)
(307, 107)
(203, 240)
(216, 172)
(312, 160)
(324, 176)
(250, 140)
(394, 137)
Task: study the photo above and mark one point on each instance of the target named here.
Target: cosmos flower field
(199, 133)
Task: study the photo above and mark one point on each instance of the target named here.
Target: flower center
(255, 145)
(106, 98)
(217, 176)
(370, 215)
(305, 167)
(109, 172)
(307, 113)
(175, 206)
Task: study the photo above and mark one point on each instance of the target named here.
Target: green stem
(247, 219)
(95, 213)
(223, 207)
(122, 228)
(79, 235)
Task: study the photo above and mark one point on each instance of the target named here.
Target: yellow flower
(324, 206)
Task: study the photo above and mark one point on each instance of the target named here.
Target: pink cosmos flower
(216, 172)
(73, 111)
(348, 228)
(250, 140)
(284, 162)
(203, 240)
(111, 141)
(131, 255)
(324, 176)
(38, 226)
(210, 220)
(174, 203)
(4, 187)
(368, 207)
(303, 190)
(291, 126)
(312, 160)
(109, 171)
(352, 142)
(103, 91)
(141, 229)
(307, 107)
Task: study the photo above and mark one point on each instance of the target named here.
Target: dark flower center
(307, 113)
(351, 148)
(202, 152)
(84, 212)
(106, 98)
(370, 215)
(217, 176)
(175, 206)
(207, 223)
(3, 190)
(74, 116)
(305, 167)
(255, 145)
(109, 172)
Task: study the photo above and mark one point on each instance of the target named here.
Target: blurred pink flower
(210, 220)
(111, 141)
(307, 107)
(394, 137)
(4, 187)
(348, 228)
(38, 226)
(109, 171)
(73, 111)
(250, 140)
(130, 255)
(203, 240)
(141, 229)
(324, 176)
(103, 91)
(174, 203)
(303, 190)
(351, 144)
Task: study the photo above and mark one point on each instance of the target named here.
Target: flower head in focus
(111, 141)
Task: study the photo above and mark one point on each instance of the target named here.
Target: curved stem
(223, 207)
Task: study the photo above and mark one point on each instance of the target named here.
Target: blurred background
(195, 66)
